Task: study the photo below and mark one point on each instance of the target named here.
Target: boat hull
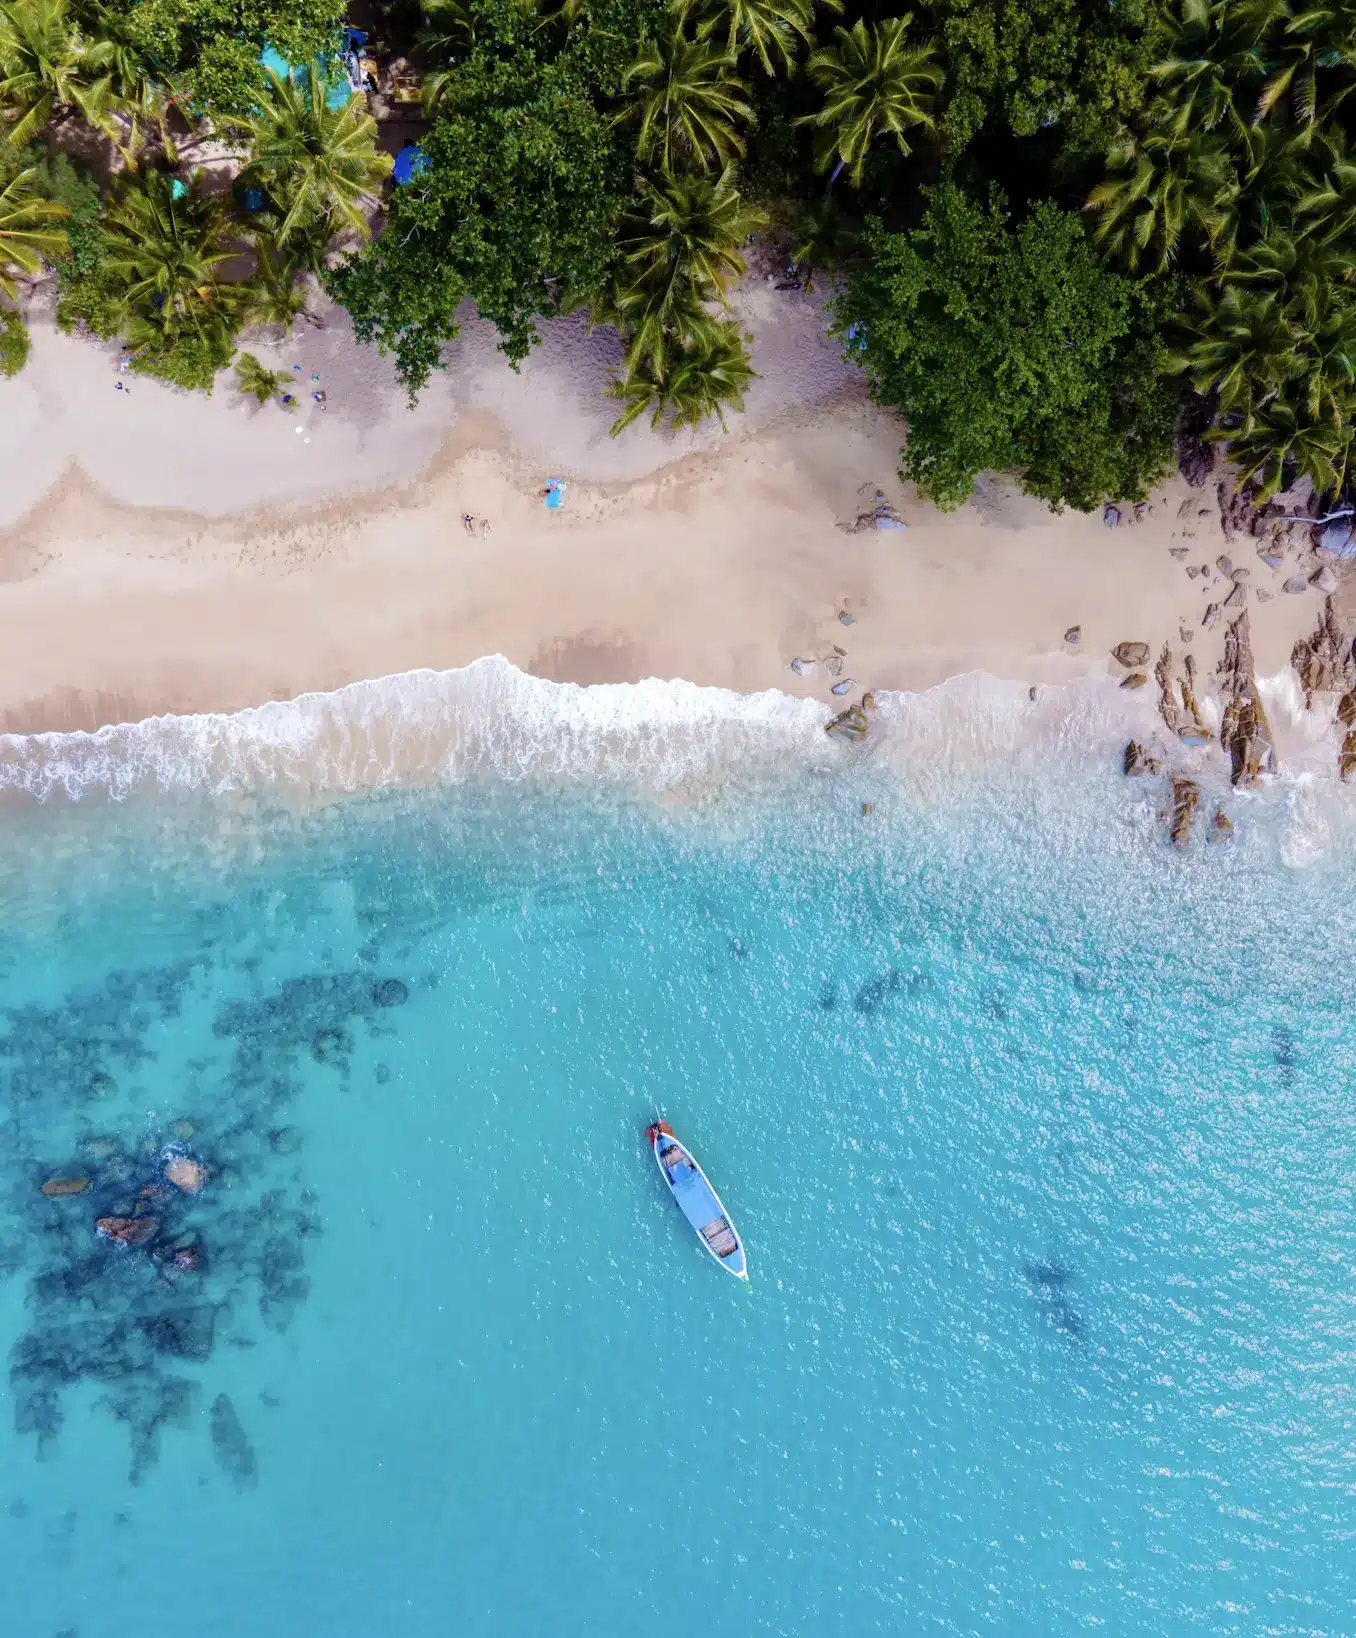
(698, 1201)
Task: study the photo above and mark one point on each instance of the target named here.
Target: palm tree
(26, 241)
(47, 65)
(1160, 186)
(134, 92)
(708, 375)
(255, 380)
(1283, 443)
(1322, 37)
(1209, 52)
(875, 84)
(1300, 269)
(771, 29)
(275, 295)
(321, 165)
(690, 98)
(691, 234)
(1325, 197)
(1326, 376)
(1242, 346)
(828, 237)
(166, 252)
(449, 33)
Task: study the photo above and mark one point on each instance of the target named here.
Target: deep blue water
(1041, 1138)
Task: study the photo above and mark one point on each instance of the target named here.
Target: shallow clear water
(1040, 1137)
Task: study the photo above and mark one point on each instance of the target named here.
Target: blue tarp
(410, 162)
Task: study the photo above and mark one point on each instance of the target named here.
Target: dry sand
(171, 552)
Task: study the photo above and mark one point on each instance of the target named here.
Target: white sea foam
(490, 719)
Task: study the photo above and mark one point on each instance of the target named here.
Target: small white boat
(697, 1200)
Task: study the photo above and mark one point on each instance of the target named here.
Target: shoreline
(718, 561)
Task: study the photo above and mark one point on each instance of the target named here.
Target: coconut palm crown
(321, 165)
(876, 82)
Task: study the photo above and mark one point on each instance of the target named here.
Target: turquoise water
(1040, 1137)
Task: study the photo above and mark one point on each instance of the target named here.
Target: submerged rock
(390, 992)
(57, 1188)
(186, 1174)
(128, 1231)
(231, 1445)
(1221, 826)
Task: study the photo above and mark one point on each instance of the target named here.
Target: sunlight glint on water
(1040, 1138)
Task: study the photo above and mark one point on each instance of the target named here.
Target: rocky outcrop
(1138, 761)
(1177, 703)
(1186, 797)
(1324, 661)
(855, 722)
(1244, 731)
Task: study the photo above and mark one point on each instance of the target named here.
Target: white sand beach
(167, 552)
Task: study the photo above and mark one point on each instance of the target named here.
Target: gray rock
(1296, 584)
(1324, 580)
(843, 687)
(1241, 574)
(1179, 552)
(1074, 634)
(1111, 516)
(1211, 615)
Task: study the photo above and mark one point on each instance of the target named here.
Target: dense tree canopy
(1079, 65)
(517, 210)
(1053, 220)
(1010, 347)
(210, 48)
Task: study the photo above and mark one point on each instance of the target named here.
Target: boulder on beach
(1131, 655)
(851, 724)
(1136, 679)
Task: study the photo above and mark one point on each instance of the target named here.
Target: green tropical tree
(320, 165)
(826, 237)
(1161, 186)
(689, 99)
(1314, 43)
(47, 66)
(255, 380)
(27, 237)
(707, 376)
(1325, 195)
(690, 234)
(275, 295)
(1282, 443)
(448, 34)
(163, 255)
(773, 30)
(1208, 53)
(875, 83)
(1302, 269)
(166, 250)
(1241, 346)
